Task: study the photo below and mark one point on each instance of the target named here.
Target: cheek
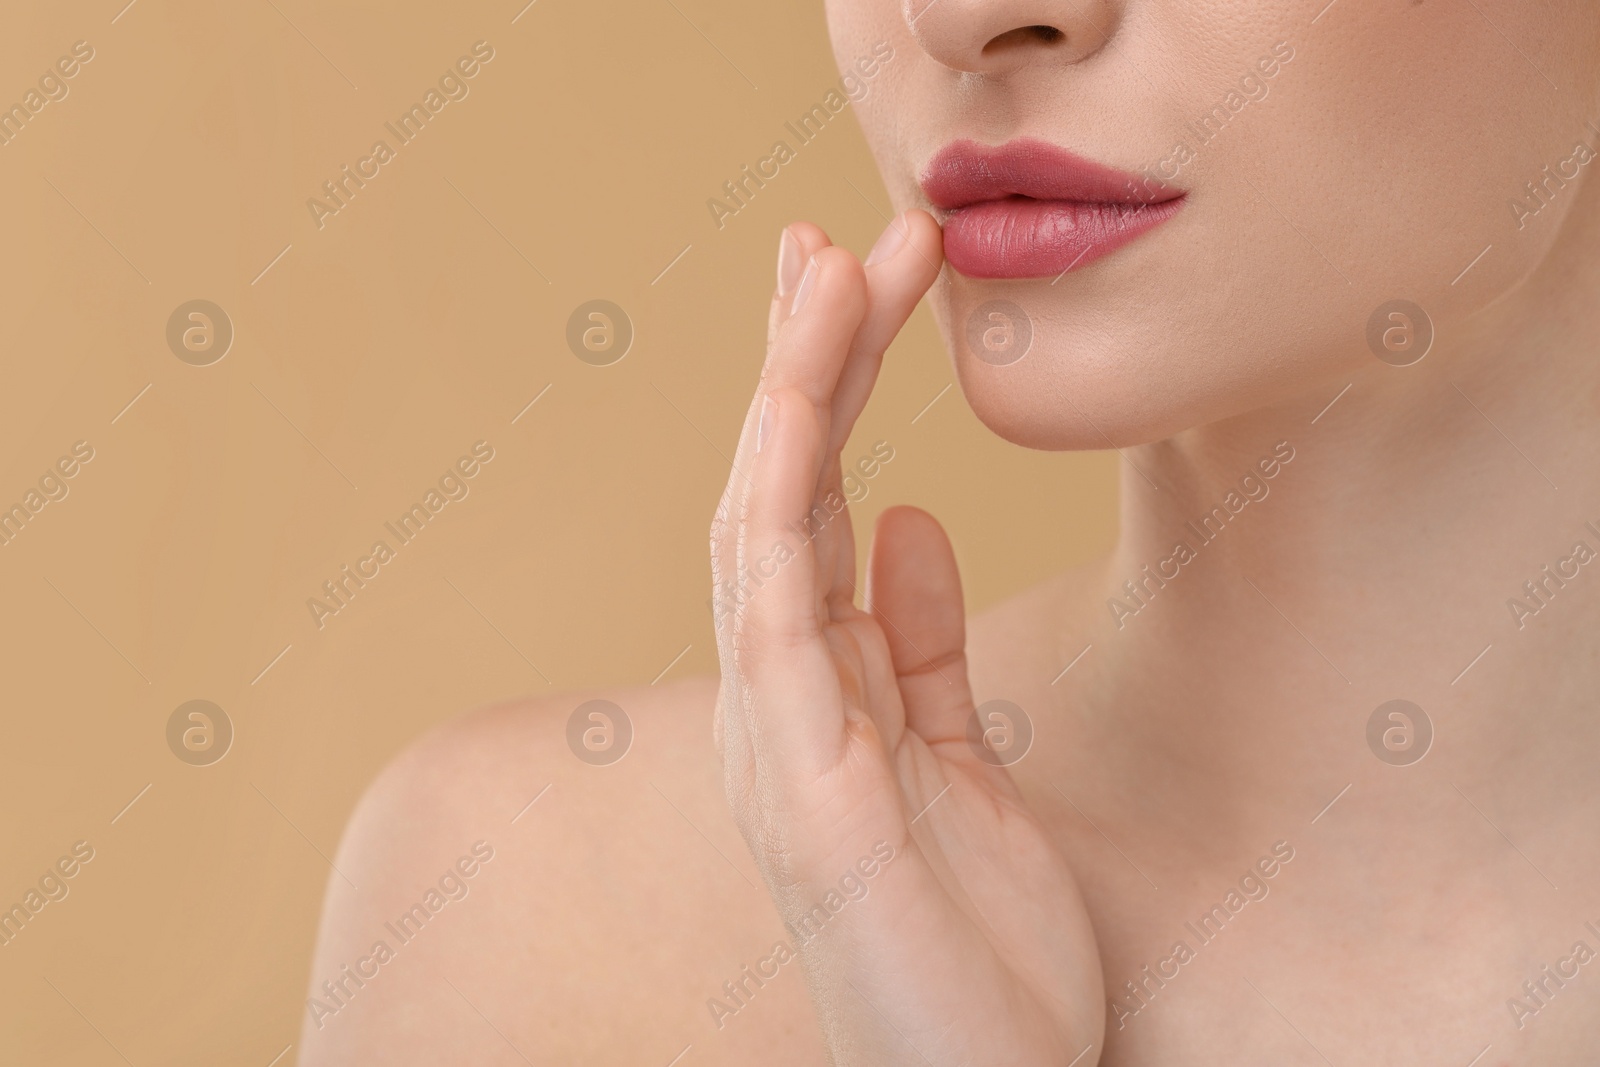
(863, 29)
(1412, 155)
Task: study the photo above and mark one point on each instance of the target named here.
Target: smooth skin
(840, 724)
(615, 910)
(1223, 723)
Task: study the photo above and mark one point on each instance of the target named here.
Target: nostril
(1021, 36)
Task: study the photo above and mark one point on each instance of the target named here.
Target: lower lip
(1023, 238)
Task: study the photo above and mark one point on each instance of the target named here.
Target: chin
(1075, 386)
(1101, 369)
(1067, 402)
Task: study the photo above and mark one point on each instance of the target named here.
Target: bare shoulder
(560, 880)
(552, 880)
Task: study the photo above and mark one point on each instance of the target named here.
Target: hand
(937, 923)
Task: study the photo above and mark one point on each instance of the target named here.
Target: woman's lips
(1028, 209)
(1023, 238)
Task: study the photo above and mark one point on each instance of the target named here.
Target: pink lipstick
(1029, 209)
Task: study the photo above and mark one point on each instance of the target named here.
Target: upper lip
(966, 172)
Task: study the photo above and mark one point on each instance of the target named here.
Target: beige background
(366, 359)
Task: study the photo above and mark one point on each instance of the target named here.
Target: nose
(1000, 36)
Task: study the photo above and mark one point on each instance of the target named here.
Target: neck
(1325, 559)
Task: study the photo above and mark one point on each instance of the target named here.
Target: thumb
(914, 592)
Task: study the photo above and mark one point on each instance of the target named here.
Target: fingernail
(808, 282)
(769, 415)
(789, 262)
(892, 241)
